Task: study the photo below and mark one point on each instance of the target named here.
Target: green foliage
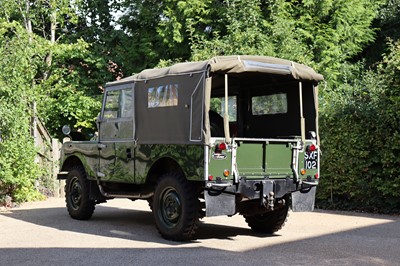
(68, 95)
(125, 36)
(38, 67)
(180, 19)
(241, 31)
(18, 170)
(66, 74)
(324, 34)
(63, 103)
(360, 129)
(389, 19)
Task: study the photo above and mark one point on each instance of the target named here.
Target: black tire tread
(188, 226)
(87, 208)
(269, 222)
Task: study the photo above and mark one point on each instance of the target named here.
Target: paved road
(122, 232)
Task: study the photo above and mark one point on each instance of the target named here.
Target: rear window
(269, 104)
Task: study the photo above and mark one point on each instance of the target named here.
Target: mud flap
(218, 203)
(303, 201)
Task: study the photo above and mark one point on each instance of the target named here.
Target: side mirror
(66, 130)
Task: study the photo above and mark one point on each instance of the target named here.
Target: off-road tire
(79, 204)
(269, 222)
(175, 207)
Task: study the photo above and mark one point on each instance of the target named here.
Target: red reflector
(210, 177)
(311, 148)
(222, 146)
(316, 176)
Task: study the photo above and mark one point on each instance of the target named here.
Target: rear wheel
(270, 222)
(77, 198)
(175, 207)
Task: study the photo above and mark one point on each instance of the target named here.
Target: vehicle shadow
(121, 223)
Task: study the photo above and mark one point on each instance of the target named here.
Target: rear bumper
(226, 198)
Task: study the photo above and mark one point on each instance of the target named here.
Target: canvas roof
(230, 65)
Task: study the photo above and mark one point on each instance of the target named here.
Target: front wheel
(175, 207)
(269, 222)
(79, 204)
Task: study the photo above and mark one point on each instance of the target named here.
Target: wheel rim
(75, 193)
(170, 207)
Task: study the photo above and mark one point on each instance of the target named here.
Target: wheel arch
(75, 160)
(163, 166)
(71, 162)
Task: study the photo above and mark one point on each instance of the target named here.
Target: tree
(243, 30)
(387, 26)
(18, 170)
(33, 60)
(325, 34)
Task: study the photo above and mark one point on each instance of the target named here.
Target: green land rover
(230, 135)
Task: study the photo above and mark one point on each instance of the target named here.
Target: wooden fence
(48, 157)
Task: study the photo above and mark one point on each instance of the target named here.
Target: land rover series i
(229, 135)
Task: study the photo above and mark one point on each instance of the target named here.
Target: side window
(218, 105)
(111, 105)
(126, 103)
(163, 96)
(269, 104)
(118, 104)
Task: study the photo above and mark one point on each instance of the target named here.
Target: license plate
(311, 160)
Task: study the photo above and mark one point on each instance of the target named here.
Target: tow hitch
(268, 196)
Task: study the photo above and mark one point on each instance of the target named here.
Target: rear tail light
(220, 147)
(311, 148)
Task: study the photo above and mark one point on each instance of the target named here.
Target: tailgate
(264, 158)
